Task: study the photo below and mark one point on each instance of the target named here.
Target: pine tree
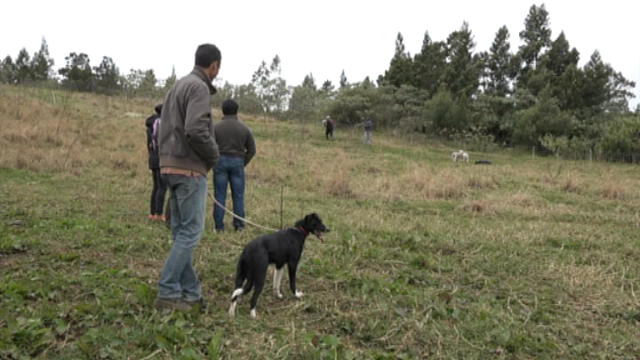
(536, 36)
(344, 83)
(327, 88)
(463, 69)
(23, 67)
(400, 69)
(498, 64)
(604, 89)
(8, 71)
(557, 69)
(77, 73)
(171, 80)
(270, 87)
(560, 56)
(279, 92)
(304, 100)
(148, 83)
(107, 76)
(42, 63)
(429, 65)
(309, 82)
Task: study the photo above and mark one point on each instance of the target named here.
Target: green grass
(527, 258)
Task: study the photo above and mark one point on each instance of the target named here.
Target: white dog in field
(460, 155)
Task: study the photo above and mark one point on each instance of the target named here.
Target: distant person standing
(368, 130)
(328, 127)
(188, 150)
(159, 189)
(237, 148)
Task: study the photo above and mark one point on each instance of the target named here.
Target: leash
(239, 217)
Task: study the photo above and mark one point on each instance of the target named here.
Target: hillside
(525, 258)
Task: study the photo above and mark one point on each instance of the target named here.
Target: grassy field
(528, 258)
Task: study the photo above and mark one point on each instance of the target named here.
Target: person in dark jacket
(159, 189)
(237, 148)
(328, 127)
(188, 150)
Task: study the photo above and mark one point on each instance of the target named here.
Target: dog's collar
(305, 232)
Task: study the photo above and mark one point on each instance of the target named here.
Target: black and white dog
(280, 248)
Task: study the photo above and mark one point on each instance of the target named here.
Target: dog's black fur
(280, 248)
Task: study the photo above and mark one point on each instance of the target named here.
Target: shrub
(544, 118)
(621, 139)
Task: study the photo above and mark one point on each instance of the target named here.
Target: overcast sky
(318, 37)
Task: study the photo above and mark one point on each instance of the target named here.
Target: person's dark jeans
(157, 192)
(229, 170)
(328, 133)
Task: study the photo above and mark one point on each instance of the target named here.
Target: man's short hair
(207, 54)
(230, 107)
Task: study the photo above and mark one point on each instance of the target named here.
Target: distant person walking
(188, 151)
(237, 148)
(368, 131)
(159, 189)
(328, 124)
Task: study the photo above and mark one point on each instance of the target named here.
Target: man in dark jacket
(188, 150)
(328, 127)
(159, 189)
(237, 148)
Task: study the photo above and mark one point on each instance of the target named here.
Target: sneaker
(171, 304)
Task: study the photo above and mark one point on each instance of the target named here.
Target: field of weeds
(525, 258)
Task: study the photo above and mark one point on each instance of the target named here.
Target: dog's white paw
(253, 313)
(279, 295)
(232, 309)
(236, 292)
(299, 294)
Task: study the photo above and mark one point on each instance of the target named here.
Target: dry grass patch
(571, 186)
(613, 192)
(425, 183)
(335, 177)
(590, 286)
(482, 182)
(62, 135)
(520, 202)
(478, 207)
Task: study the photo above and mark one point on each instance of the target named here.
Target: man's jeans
(367, 137)
(178, 279)
(229, 170)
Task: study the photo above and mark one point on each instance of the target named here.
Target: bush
(475, 139)
(446, 115)
(621, 139)
(544, 118)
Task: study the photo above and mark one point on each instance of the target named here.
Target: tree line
(79, 75)
(536, 95)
